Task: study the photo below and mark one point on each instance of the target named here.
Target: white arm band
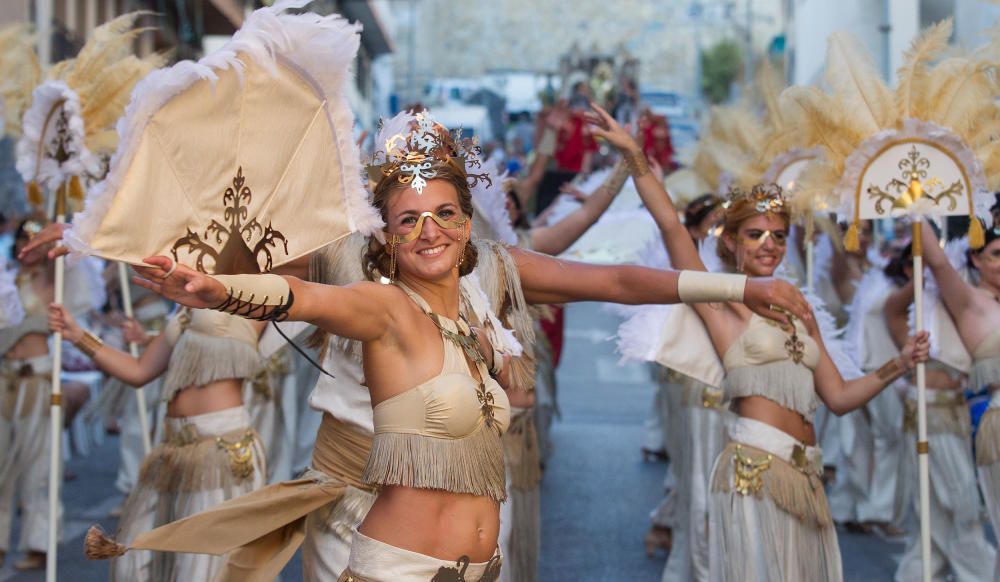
(701, 287)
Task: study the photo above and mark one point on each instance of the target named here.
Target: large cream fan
(69, 128)
(240, 162)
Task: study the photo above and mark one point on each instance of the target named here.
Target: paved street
(597, 491)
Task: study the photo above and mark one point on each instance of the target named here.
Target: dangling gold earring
(461, 254)
(392, 260)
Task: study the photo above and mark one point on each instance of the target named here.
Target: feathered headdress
(723, 156)
(19, 74)
(242, 161)
(70, 126)
(420, 146)
(926, 148)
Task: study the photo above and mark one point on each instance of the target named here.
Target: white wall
(815, 20)
(973, 19)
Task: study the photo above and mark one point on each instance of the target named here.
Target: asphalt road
(596, 495)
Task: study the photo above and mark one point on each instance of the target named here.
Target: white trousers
(989, 479)
(958, 543)
(24, 458)
(867, 488)
(703, 442)
(131, 450)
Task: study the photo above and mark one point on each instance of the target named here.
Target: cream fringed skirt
(769, 518)
(375, 561)
(520, 539)
(205, 460)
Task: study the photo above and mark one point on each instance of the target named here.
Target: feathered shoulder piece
(241, 161)
(19, 74)
(69, 129)
(928, 147)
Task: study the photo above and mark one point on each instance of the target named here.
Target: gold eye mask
(779, 238)
(397, 239)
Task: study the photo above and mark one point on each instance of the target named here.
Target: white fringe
(471, 464)
(321, 48)
(785, 382)
(198, 359)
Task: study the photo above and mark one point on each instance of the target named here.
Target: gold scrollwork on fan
(228, 245)
(901, 193)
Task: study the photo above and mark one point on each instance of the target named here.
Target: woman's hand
(604, 126)
(61, 321)
(46, 241)
(775, 299)
(917, 350)
(182, 285)
(134, 333)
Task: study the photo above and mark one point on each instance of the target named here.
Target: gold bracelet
(636, 163)
(89, 344)
(890, 371)
(616, 180)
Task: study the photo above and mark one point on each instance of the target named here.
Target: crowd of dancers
(412, 289)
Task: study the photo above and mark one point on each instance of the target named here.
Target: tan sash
(263, 529)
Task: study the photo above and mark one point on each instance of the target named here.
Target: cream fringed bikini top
(770, 362)
(444, 433)
(986, 361)
(208, 346)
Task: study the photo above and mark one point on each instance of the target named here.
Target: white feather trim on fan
(319, 47)
(11, 309)
(34, 161)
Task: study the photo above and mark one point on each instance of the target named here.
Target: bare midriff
(211, 397)
(435, 523)
(770, 412)
(31, 345)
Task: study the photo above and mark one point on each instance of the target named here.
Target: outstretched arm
(683, 253)
(959, 297)
(362, 311)
(133, 371)
(550, 280)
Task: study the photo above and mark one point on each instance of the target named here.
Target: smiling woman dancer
(438, 414)
(769, 516)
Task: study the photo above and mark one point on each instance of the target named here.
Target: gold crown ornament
(416, 154)
(765, 198)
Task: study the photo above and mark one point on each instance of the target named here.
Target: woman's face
(759, 244)
(987, 262)
(435, 252)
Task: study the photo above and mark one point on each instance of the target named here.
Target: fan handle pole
(55, 409)
(923, 449)
(140, 393)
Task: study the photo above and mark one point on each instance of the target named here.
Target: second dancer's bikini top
(444, 433)
(986, 361)
(768, 361)
(208, 346)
